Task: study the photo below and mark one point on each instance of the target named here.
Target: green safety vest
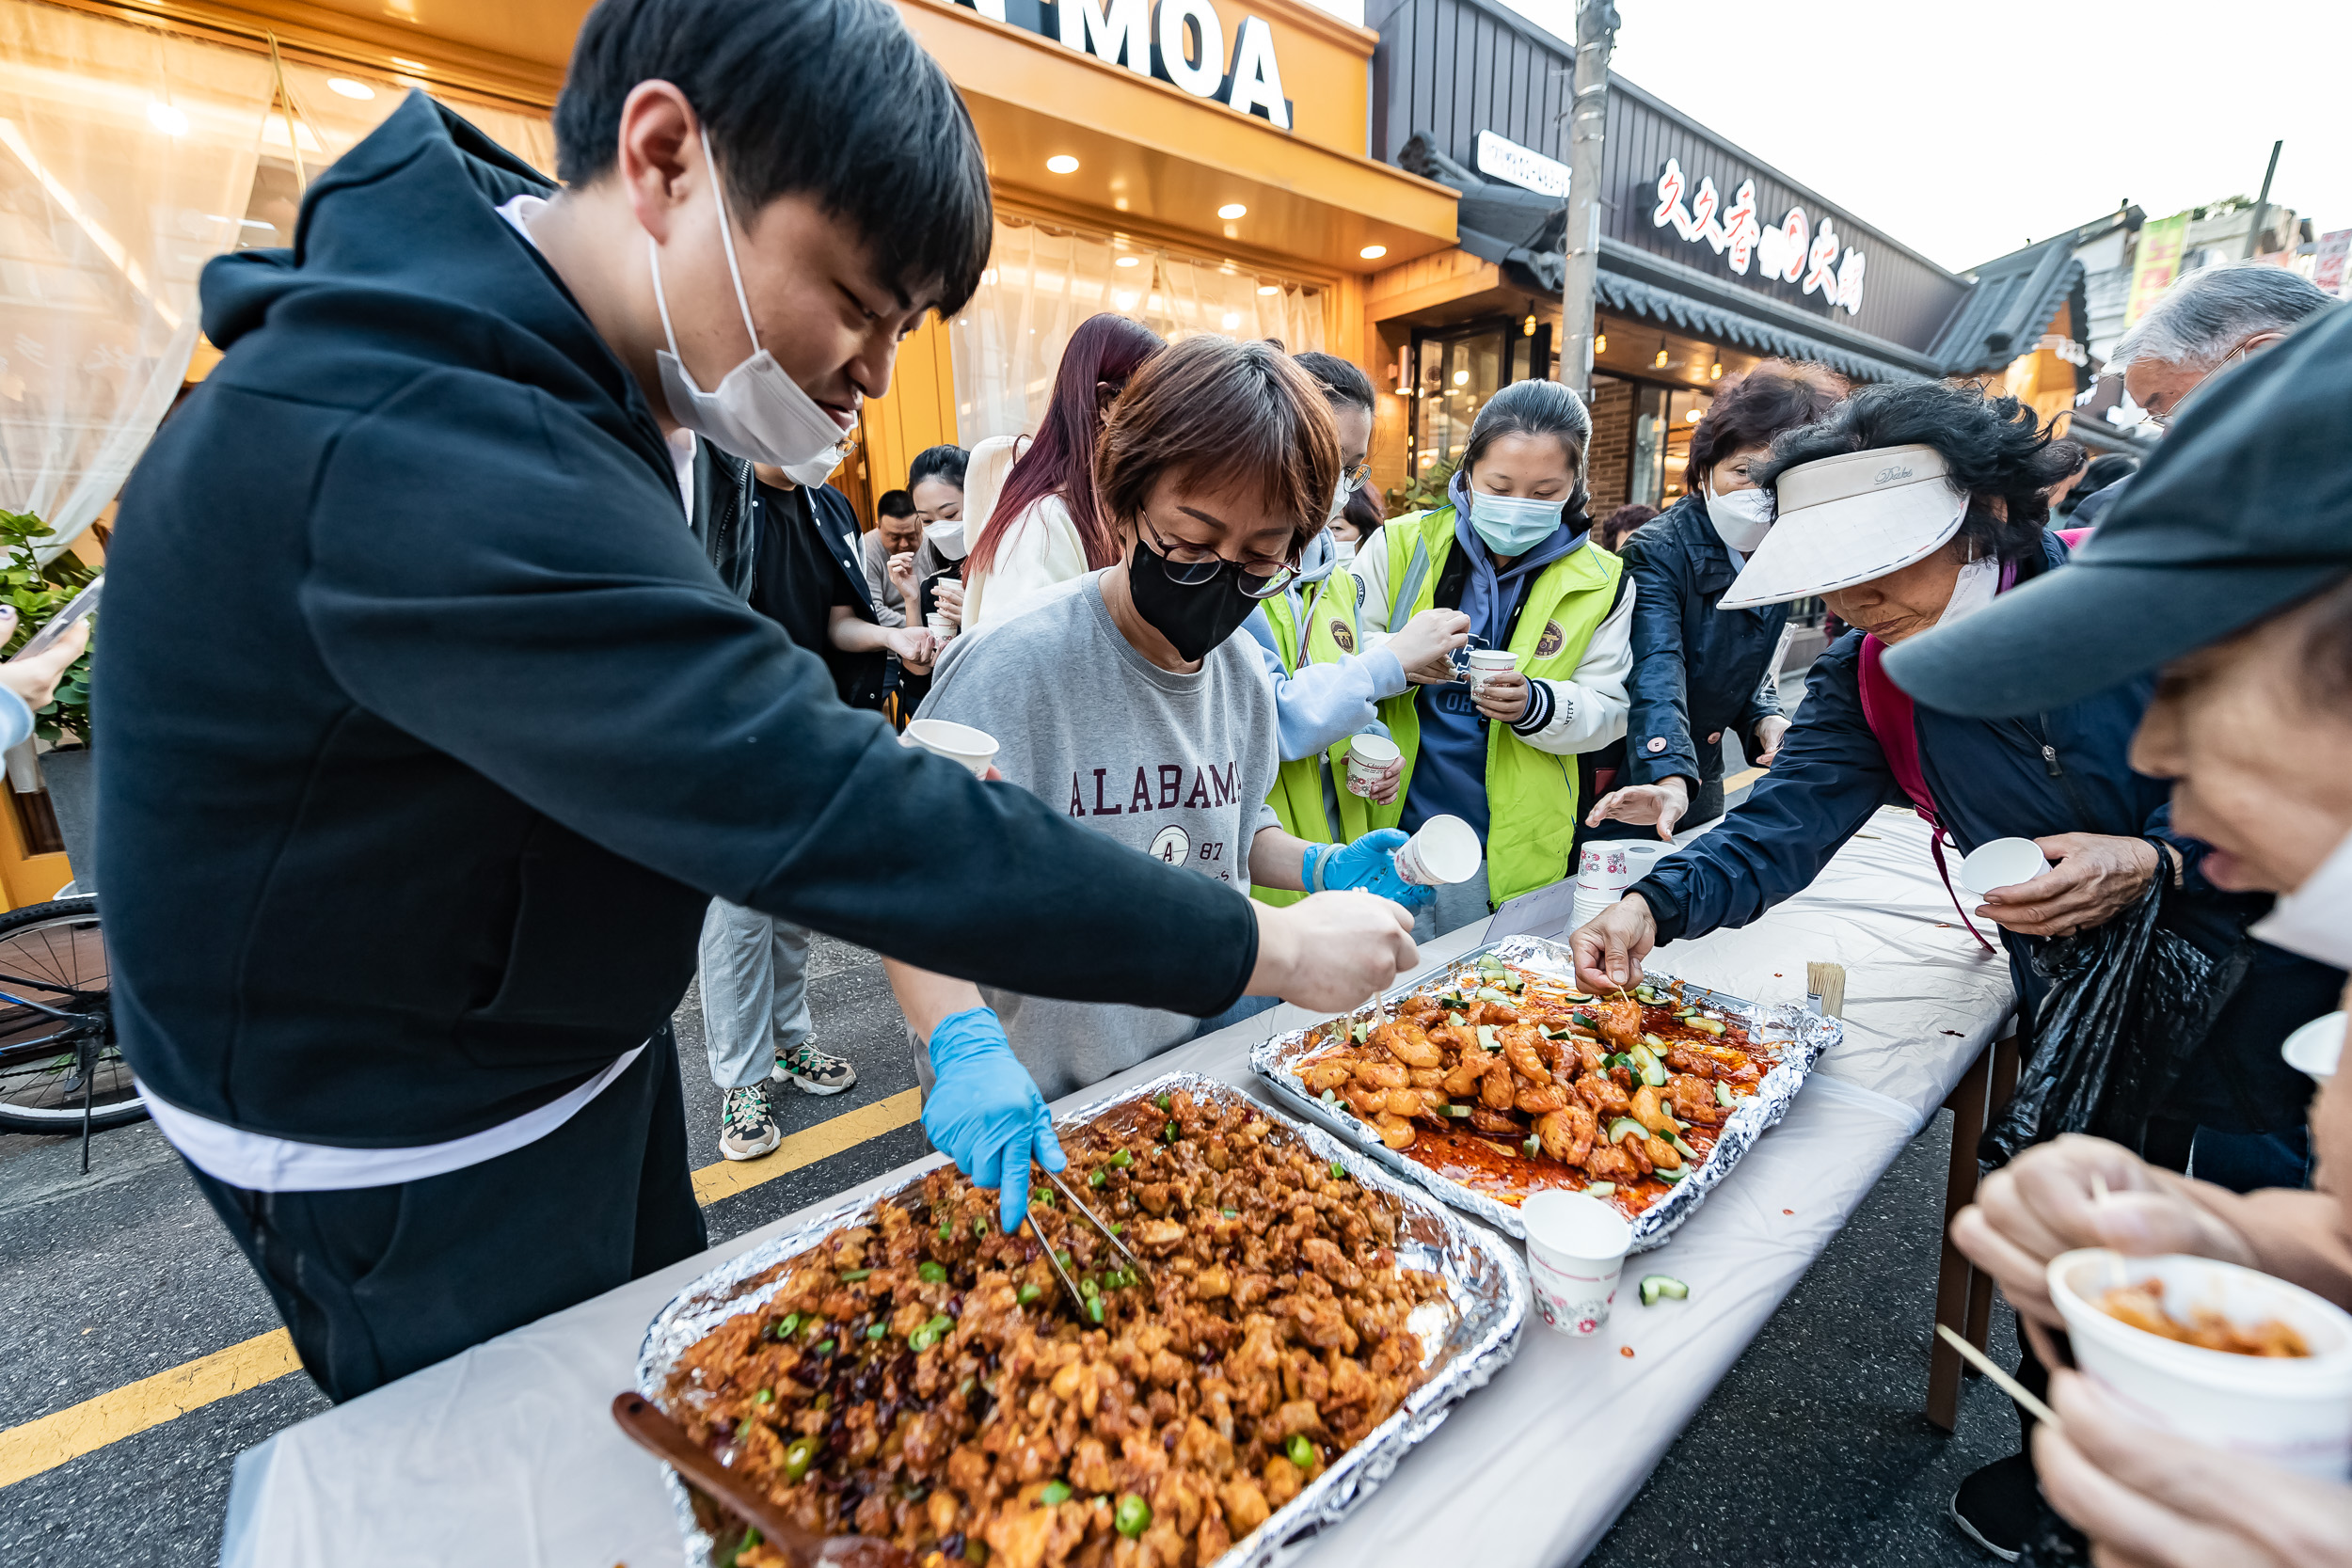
(1531, 795)
(1297, 795)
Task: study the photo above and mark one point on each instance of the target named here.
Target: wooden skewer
(2001, 1380)
(1828, 982)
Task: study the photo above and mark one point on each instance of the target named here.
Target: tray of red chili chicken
(1497, 1078)
(1293, 1322)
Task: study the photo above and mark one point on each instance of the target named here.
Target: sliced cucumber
(1362, 1033)
(1457, 1020)
(1711, 1025)
(1457, 1111)
(1723, 1095)
(1533, 1146)
(1653, 1043)
(1663, 1287)
(1671, 1176)
(1644, 1061)
(1643, 994)
(1577, 996)
(1675, 1141)
(1487, 1037)
(1493, 994)
(1601, 1189)
(1623, 1125)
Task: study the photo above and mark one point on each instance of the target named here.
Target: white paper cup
(1607, 867)
(1372, 760)
(2316, 1048)
(942, 627)
(2003, 862)
(2295, 1413)
(947, 539)
(1445, 851)
(1576, 1248)
(975, 749)
(1486, 663)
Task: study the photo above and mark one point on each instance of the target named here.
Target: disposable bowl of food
(2291, 1411)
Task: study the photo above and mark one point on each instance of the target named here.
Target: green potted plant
(37, 591)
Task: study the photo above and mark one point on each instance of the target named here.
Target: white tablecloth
(505, 1456)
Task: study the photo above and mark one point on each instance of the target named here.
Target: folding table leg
(1953, 1274)
(2003, 1084)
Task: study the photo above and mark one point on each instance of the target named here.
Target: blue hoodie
(1322, 703)
(1450, 774)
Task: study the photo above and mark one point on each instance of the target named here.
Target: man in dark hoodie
(418, 811)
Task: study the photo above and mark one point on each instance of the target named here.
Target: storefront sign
(1183, 44)
(2334, 251)
(1505, 159)
(2156, 263)
(1791, 252)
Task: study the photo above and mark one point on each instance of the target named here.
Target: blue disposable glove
(1369, 863)
(985, 1113)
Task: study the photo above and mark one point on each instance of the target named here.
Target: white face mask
(1340, 493)
(758, 412)
(2315, 919)
(1741, 518)
(817, 470)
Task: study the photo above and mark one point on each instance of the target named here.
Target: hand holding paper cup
(2003, 862)
(1486, 663)
(1445, 851)
(975, 749)
(1372, 762)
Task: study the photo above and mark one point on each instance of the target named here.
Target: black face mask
(1194, 617)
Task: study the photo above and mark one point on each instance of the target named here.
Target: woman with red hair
(1046, 527)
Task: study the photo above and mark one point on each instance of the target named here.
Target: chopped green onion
(1230, 1214)
(1094, 1308)
(1117, 1229)
(1133, 1516)
(930, 1332)
(1339, 1172)
(799, 1455)
(1098, 1178)
(947, 1229)
(1122, 1159)
(1029, 1293)
(1062, 1257)
(971, 1383)
(1301, 1451)
(1167, 1133)
(850, 1276)
(1043, 1195)
(824, 1347)
(930, 1273)
(979, 1228)
(1056, 1494)
(875, 1331)
(1160, 1100)
(789, 1326)
(766, 1396)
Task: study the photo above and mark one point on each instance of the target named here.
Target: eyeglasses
(1352, 479)
(1197, 565)
(2164, 421)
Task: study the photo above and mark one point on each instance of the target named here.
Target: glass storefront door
(1455, 371)
(1663, 417)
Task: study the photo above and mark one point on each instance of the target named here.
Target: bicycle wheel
(56, 999)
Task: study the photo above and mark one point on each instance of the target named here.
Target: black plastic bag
(2129, 1005)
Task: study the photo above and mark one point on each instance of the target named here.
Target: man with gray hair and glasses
(2204, 322)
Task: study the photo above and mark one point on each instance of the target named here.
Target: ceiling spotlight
(1231, 320)
(1461, 378)
(350, 88)
(1692, 415)
(1600, 343)
(1660, 360)
(1128, 261)
(1527, 328)
(1062, 162)
(1269, 288)
(1715, 371)
(1372, 252)
(1232, 209)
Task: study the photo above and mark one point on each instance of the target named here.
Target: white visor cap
(1846, 519)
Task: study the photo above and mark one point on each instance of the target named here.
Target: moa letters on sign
(1791, 252)
(1178, 41)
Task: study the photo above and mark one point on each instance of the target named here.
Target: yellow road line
(820, 1142)
(52, 1440)
(1741, 780)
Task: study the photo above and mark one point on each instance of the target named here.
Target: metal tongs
(1077, 1298)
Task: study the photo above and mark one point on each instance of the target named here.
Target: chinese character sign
(2330, 275)
(1791, 251)
(2157, 263)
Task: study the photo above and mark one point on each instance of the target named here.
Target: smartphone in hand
(81, 604)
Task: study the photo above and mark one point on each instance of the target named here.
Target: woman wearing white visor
(1912, 507)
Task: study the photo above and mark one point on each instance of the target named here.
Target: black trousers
(376, 1282)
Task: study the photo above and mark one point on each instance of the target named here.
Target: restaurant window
(1455, 371)
(1043, 280)
(1663, 417)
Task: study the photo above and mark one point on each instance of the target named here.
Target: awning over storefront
(1617, 291)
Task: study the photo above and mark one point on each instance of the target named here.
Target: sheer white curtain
(1042, 281)
(126, 158)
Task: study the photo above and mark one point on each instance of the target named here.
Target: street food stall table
(505, 1456)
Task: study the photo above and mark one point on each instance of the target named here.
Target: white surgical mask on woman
(758, 412)
(1741, 518)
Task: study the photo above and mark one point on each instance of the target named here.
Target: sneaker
(746, 1129)
(1997, 1507)
(813, 1071)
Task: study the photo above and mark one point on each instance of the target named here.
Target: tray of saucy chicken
(1497, 1078)
(1263, 1325)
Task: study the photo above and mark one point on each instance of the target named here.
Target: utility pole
(1588, 113)
(2262, 203)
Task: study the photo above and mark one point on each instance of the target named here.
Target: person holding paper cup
(2227, 568)
(1509, 550)
(935, 484)
(1921, 506)
(1215, 471)
(1329, 678)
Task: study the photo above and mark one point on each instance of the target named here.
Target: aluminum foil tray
(1485, 1313)
(1800, 1037)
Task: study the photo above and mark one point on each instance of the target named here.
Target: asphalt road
(1812, 1450)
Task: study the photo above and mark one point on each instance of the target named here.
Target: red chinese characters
(1791, 252)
